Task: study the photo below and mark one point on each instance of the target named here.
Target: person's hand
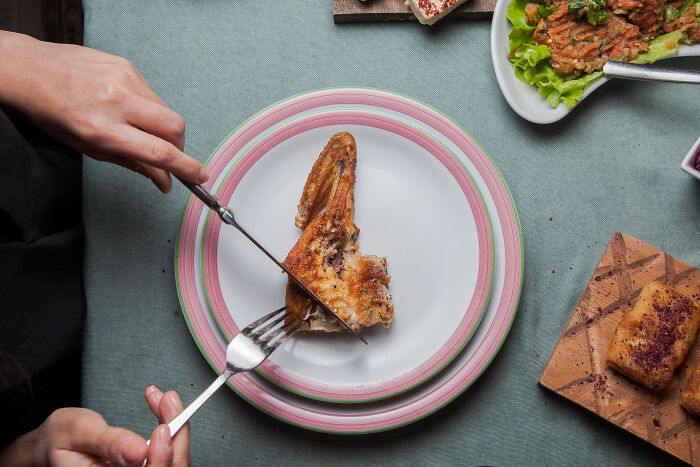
(81, 437)
(166, 407)
(98, 104)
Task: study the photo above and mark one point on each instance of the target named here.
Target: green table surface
(611, 165)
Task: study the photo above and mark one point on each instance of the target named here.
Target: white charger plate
(415, 203)
(447, 384)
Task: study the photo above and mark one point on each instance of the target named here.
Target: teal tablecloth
(613, 165)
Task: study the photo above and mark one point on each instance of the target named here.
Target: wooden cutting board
(355, 11)
(577, 369)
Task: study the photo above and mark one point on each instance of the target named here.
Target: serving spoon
(527, 102)
(649, 73)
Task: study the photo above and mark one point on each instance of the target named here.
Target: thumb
(116, 445)
(160, 452)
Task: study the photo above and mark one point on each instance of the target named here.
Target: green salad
(532, 65)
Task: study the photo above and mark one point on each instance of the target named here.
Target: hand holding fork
(248, 349)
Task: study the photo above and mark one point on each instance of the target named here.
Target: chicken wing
(326, 256)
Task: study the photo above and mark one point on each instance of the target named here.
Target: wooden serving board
(355, 11)
(577, 369)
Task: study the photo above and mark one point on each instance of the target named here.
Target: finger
(146, 91)
(160, 178)
(160, 451)
(156, 119)
(171, 407)
(131, 143)
(152, 96)
(153, 397)
(91, 434)
(143, 87)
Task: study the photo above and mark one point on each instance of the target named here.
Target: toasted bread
(690, 395)
(654, 337)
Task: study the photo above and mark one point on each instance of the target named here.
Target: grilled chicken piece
(326, 256)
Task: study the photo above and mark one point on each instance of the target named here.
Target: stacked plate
(427, 197)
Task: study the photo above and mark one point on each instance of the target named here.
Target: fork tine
(255, 324)
(282, 335)
(260, 333)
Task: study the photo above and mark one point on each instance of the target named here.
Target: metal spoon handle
(650, 73)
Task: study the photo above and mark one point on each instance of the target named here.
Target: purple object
(691, 162)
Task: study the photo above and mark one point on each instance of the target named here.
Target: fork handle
(185, 415)
(179, 421)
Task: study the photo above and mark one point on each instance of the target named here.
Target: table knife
(226, 215)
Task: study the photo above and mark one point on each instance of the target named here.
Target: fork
(248, 349)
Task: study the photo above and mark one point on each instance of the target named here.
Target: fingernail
(162, 434)
(150, 389)
(202, 177)
(131, 450)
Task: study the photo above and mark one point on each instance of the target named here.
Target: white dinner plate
(414, 203)
(447, 383)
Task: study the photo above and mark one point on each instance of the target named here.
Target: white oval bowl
(523, 98)
(688, 164)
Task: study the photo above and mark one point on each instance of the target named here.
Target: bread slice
(690, 395)
(429, 11)
(654, 337)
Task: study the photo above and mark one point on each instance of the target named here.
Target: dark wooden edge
(339, 18)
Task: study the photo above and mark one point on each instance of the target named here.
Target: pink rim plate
(284, 408)
(473, 312)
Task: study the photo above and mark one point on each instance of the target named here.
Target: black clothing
(42, 301)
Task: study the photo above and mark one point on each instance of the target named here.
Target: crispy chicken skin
(326, 256)
(690, 395)
(654, 337)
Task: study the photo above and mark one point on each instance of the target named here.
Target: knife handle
(201, 193)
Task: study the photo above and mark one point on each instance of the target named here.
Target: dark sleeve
(41, 282)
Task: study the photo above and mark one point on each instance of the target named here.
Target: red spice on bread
(654, 337)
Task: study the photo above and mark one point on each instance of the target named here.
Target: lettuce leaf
(516, 15)
(531, 62)
(673, 14)
(661, 47)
